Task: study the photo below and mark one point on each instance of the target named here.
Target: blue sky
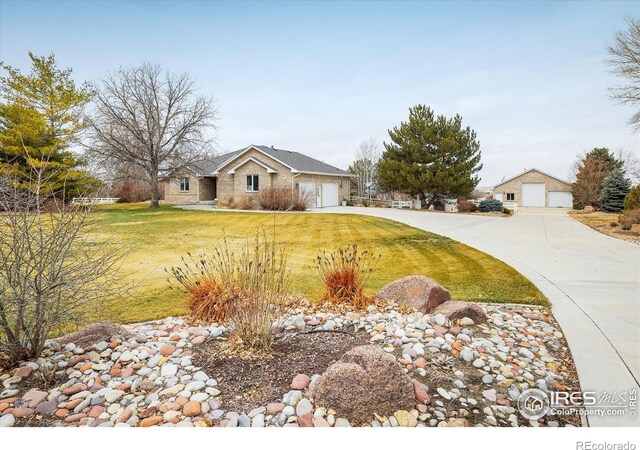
(319, 78)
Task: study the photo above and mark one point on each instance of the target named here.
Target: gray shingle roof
(297, 161)
(206, 166)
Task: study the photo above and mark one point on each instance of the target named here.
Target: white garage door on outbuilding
(535, 188)
(560, 199)
(329, 194)
(533, 194)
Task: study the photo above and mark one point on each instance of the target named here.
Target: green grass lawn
(159, 238)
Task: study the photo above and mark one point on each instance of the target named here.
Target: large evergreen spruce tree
(431, 157)
(614, 190)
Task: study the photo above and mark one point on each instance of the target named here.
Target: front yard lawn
(159, 238)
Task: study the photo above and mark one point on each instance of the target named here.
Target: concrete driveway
(592, 281)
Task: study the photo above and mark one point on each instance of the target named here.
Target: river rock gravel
(463, 375)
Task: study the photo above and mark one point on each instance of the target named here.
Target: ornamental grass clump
(243, 288)
(344, 273)
(207, 299)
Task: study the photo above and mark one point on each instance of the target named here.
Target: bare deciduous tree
(52, 273)
(152, 120)
(365, 168)
(624, 59)
(589, 175)
(630, 164)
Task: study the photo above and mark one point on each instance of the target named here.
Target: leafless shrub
(227, 203)
(130, 191)
(245, 202)
(301, 200)
(262, 273)
(283, 199)
(629, 218)
(465, 205)
(275, 199)
(52, 273)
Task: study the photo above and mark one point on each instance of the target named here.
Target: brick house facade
(247, 171)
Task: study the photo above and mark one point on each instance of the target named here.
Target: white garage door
(533, 194)
(559, 199)
(329, 194)
(308, 189)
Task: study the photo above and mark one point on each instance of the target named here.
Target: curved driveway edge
(591, 280)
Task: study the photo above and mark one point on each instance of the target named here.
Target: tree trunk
(427, 201)
(155, 191)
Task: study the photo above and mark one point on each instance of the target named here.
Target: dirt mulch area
(94, 333)
(600, 221)
(250, 382)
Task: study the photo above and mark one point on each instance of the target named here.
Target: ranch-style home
(535, 188)
(247, 171)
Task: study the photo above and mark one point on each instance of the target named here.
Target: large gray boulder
(456, 310)
(366, 380)
(416, 291)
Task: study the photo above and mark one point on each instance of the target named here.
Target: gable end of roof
(533, 169)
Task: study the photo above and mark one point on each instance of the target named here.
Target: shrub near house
(631, 214)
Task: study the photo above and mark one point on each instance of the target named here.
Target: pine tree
(432, 157)
(632, 200)
(605, 155)
(41, 116)
(614, 190)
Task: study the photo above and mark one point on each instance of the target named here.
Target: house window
(511, 196)
(184, 184)
(252, 183)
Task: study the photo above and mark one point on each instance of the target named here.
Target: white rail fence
(402, 204)
(93, 200)
(513, 206)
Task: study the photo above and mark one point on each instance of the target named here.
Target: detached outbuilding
(535, 188)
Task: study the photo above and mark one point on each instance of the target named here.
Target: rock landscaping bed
(250, 381)
(174, 373)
